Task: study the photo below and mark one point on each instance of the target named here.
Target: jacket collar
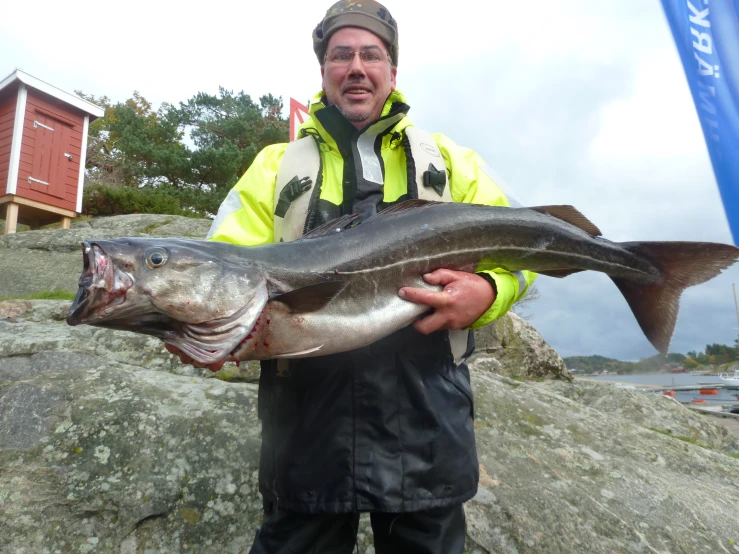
(333, 129)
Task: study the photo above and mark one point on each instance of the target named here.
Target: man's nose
(356, 67)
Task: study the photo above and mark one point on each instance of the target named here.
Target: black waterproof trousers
(436, 531)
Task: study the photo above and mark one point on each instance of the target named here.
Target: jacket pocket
(461, 382)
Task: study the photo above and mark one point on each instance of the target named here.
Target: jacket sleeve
(469, 183)
(246, 216)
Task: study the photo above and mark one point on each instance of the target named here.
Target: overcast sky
(581, 103)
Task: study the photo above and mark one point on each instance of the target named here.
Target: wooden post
(11, 218)
(66, 222)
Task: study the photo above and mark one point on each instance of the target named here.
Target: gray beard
(354, 116)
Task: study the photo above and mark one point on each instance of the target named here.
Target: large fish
(336, 288)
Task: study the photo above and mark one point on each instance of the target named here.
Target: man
(385, 429)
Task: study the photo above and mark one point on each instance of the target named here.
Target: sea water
(725, 395)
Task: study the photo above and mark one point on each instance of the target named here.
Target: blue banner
(707, 36)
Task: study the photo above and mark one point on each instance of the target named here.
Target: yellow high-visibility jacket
(247, 215)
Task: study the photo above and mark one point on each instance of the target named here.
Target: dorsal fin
(569, 214)
(333, 226)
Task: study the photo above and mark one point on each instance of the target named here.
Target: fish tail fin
(682, 264)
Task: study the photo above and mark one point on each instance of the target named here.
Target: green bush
(197, 202)
(99, 200)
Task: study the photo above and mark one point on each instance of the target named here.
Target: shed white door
(51, 156)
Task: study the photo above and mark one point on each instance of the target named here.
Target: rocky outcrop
(109, 444)
(651, 411)
(512, 347)
(101, 456)
(560, 476)
(50, 260)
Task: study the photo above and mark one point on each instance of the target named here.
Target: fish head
(181, 291)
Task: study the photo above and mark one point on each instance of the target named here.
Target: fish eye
(155, 257)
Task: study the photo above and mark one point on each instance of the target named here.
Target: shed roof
(51, 90)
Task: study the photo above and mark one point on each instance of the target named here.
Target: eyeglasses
(369, 56)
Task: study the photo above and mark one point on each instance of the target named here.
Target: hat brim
(363, 21)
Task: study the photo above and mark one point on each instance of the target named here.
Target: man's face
(358, 89)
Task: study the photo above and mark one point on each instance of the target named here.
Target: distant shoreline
(589, 379)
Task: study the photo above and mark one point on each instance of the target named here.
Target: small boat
(730, 379)
(731, 408)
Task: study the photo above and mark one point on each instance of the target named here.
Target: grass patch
(153, 226)
(690, 440)
(47, 295)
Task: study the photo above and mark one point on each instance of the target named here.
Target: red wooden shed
(43, 143)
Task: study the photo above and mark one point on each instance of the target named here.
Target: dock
(619, 383)
(661, 388)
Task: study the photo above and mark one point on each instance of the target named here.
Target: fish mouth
(102, 287)
(101, 301)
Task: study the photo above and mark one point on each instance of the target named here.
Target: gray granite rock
(26, 271)
(558, 476)
(649, 410)
(99, 456)
(50, 260)
(109, 444)
(153, 225)
(512, 347)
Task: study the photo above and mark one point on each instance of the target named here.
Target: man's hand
(185, 359)
(465, 298)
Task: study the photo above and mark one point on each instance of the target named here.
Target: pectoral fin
(301, 353)
(311, 298)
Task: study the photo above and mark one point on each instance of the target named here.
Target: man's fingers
(172, 349)
(465, 298)
(444, 276)
(430, 298)
(214, 367)
(430, 323)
